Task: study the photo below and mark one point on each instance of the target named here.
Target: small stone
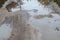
(57, 29)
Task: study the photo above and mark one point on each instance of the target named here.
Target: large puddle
(46, 24)
(44, 20)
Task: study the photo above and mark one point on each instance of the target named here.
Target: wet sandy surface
(20, 26)
(17, 27)
(30, 24)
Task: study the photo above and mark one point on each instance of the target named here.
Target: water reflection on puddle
(46, 25)
(5, 31)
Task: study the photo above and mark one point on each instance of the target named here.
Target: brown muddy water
(33, 22)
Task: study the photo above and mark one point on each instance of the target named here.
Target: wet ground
(44, 24)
